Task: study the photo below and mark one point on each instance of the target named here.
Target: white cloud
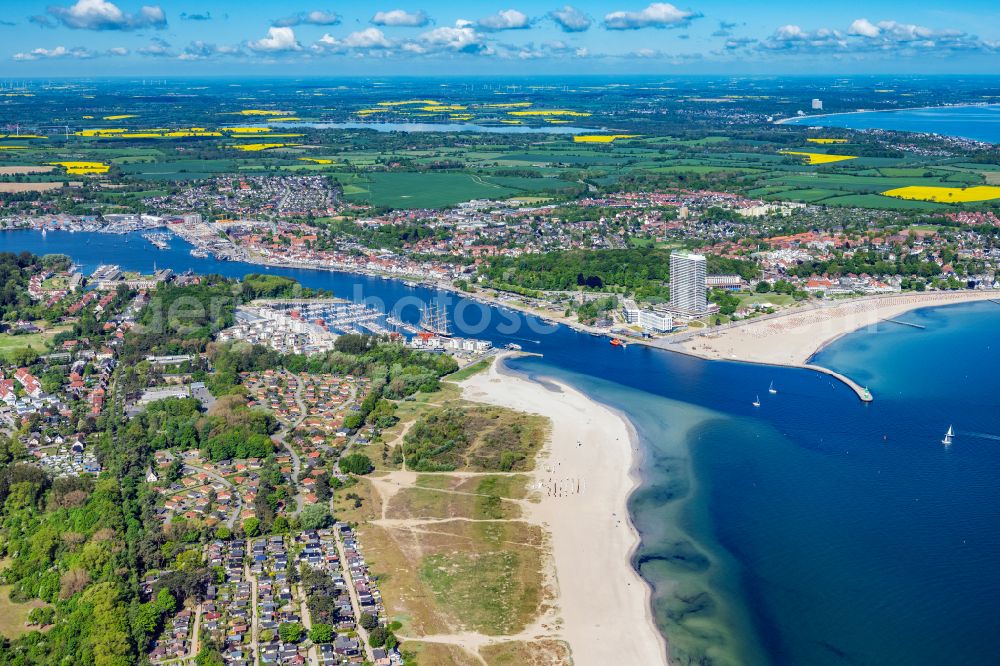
(104, 15)
(369, 38)
(571, 19)
(401, 18)
(462, 38)
(657, 15)
(57, 52)
(199, 50)
(863, 28)
(864, 36)
(118, 51)
(315, 17)
(506, 19)
(278, 40)
(156, 47)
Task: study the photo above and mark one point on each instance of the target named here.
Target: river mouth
(812, 530)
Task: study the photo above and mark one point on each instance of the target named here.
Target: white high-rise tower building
(688, 294)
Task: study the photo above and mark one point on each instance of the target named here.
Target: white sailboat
(948, 436)
(771, 389)
(756, 403)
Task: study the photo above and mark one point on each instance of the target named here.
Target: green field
(13, 615)
(37, 342)
(437, 190)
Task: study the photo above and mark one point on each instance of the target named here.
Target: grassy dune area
(457, 548)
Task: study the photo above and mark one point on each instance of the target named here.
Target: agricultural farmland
(553, 145)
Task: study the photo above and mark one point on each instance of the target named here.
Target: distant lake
(444, 127)
(981, 123)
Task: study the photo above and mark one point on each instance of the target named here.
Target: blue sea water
(981, 123)
(812, 530)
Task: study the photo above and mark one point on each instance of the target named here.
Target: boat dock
(905, 323)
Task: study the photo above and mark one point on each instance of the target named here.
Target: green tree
(251, 527)
(290, 632)
(209, 656)
(166, 601)
(314, 517)
(356, 463)
(321, 633)
(368, 621)
(148, 618)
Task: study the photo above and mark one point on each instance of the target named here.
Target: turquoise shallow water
(981, 123)
(812, 530)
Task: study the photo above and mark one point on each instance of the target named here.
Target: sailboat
(771, 389)
(434, 319)
(948, 436)
(756, 403)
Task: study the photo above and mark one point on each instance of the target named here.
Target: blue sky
(247, 37)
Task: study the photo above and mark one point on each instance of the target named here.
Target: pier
(907, 323)
(862, 391)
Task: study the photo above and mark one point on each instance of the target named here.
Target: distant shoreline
(794, 338)
(792, 120)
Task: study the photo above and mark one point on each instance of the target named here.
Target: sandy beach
(793, 338)
(584, 476)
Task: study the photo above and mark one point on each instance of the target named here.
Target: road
(238, 507)
(282, 438)
(355, 604)
(254, 627)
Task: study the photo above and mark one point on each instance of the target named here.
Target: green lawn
(35, 341)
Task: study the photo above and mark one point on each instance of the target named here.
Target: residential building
(688, 294)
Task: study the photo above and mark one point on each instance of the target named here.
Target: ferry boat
(513, 346)
(948, 436)
(434, 319)
(201, 254)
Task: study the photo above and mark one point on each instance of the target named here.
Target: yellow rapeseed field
(153, 133)
(601, 138)
(260, 112)
(819, 158)
(508, 105)
(438, 108)
(82, 168)
(825, 141)
(13, 147)
(248, 130)
(255, 147)
(317, 160)
(22, 136)
(548, 112)
(121, 116)
(414, 102)
(945, 194)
